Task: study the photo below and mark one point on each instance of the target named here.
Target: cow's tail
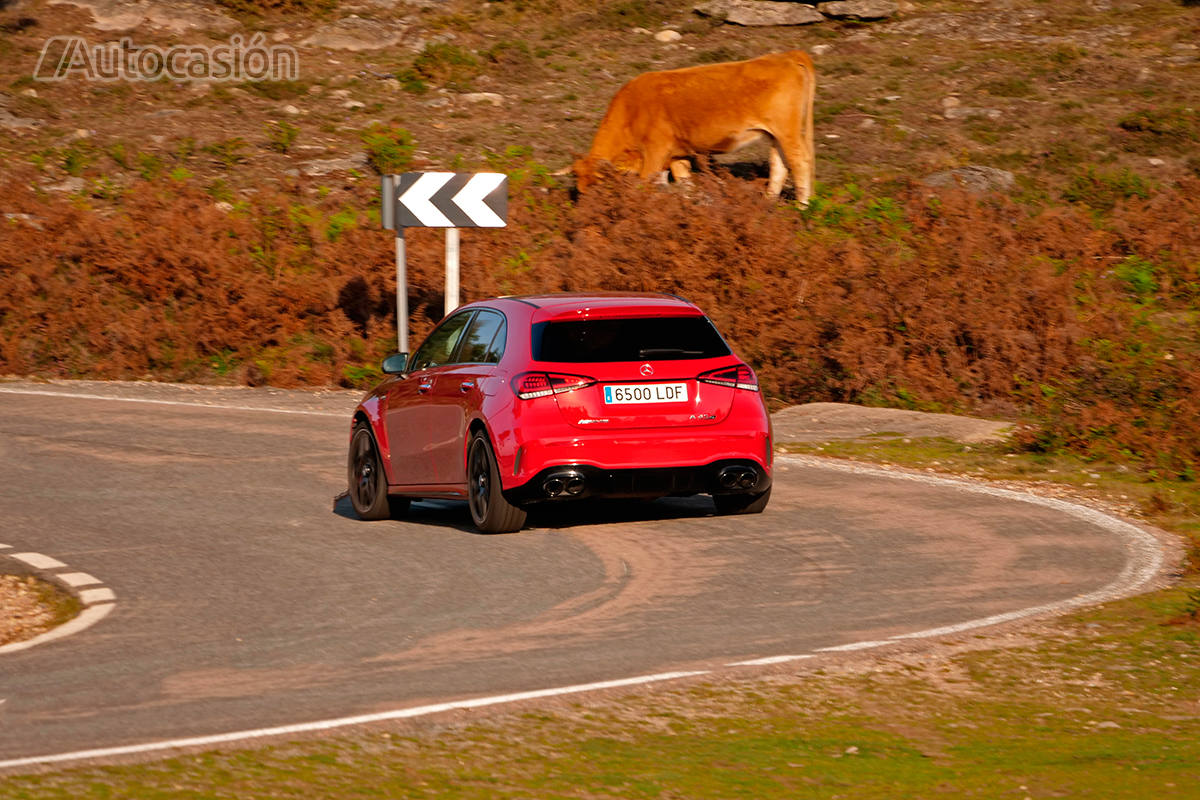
(808, 71)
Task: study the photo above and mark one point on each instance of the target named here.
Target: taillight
(529, 385)
(739, 377)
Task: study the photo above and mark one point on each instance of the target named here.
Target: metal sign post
(450, 200)
(452, 242)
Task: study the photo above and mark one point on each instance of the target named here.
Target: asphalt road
(245, 598)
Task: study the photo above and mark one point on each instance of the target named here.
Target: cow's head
(585, 172)
(591, 169)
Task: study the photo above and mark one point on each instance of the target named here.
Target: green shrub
(281, 136)
(447, 65)
(1138, 275)
(1008, 87)
(229, 152)
(1103, 190)
(718, 55)
(633, 14)
(411, 81)
(276, 90)
(76, 159)
(389, 148)
(1155, 129)
(150, 166)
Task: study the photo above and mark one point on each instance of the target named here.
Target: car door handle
(424, 386)
(466, 386)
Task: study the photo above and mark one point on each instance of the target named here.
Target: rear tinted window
(630, 339)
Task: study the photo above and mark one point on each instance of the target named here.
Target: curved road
(246, 598)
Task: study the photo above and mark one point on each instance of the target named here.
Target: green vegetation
(447, 65)
(389, 148)
(1162, 129)
(281, 135)
(229, 152)
(1102, 190)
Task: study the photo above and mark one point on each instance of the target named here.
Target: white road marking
(1144, 555)
(1144, 561)
(86, 619)
(38, 560)
(843, 648)
(341, 722)
(98, 602)
(756, 662)
(74, 579)
(92, 596)
(223, 406)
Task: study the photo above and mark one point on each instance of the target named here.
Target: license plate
(616, 394)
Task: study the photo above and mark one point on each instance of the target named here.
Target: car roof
(594, 305)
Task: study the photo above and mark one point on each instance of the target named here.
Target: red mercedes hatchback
(517, 401)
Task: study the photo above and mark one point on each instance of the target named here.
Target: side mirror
(395, 364)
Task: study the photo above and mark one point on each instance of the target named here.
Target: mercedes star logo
(646, 370)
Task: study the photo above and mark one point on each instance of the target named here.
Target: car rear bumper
(578, 481)
(632, 449)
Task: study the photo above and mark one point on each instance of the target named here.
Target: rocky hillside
(1040, 91)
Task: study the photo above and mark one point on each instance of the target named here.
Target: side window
(484, 341)
(439, 347)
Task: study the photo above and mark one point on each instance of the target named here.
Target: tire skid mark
(638, 570)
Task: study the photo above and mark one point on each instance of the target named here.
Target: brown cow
(659, 119)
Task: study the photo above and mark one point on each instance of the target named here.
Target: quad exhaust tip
(737, 478)
(559, 483)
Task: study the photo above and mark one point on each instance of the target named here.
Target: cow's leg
(655, 163)
(779, 170)
(798, 158)
(681, 170)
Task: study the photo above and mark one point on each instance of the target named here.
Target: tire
(367, 480)
(490, 512)
(742, 503)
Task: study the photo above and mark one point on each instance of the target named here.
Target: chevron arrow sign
(448, 200)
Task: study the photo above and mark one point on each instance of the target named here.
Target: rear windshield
(629, 339)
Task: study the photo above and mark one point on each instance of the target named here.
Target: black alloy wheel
(368, 481)
(490, 511)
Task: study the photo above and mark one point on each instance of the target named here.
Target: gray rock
(328, 165)
(17, 218)
(859, 9)
(10, 121)
(483, 97)
(178, 16)
(973, 178)
(355, 33)
(71, 185)
(970, 112)
(760, 13)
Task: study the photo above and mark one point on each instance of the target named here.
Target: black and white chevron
(450, 200)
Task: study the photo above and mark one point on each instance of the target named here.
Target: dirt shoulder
(826, 422)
